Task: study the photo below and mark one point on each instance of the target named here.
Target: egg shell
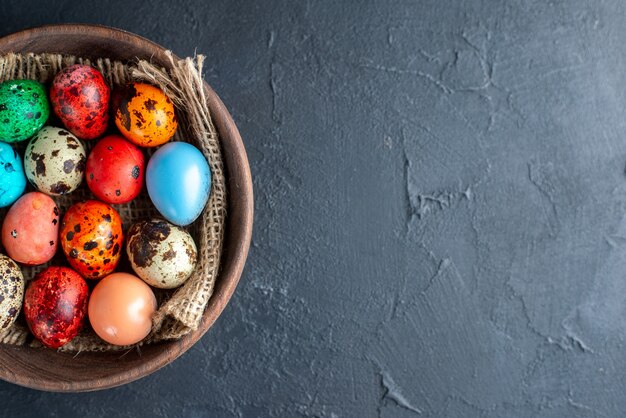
(24, 109)
(144, 114)
(91, 238)
(80, 98)
(54, 161)
(121, 308)
(30, 229)
(115, 170)
(55, 305)
(11, 291)
(178, 179)
(163, 255)
(12, 177)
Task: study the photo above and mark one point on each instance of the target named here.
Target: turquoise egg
(12, 177)
(178, 179)
(24, 109)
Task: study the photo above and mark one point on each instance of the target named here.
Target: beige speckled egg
(54, 161)
(162, 254)
(11, 291)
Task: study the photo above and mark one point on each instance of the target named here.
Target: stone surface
(440, 200)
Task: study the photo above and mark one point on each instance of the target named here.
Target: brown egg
(120, 309)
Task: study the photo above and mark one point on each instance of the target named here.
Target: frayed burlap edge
(179, 312)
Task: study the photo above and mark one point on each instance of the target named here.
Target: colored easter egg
(121, 308)
(54, 161)
(115, 170)
(144, 114)
(24, 109)
(91, 238)
(12, 178)
(30, 229)
(55, 306)
(80, 98)
(178, 179)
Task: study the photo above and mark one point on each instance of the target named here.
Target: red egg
(55, 305)
(80, 98)
(115, 170)
(91, 238)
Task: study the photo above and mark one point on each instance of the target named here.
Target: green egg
(24, 109)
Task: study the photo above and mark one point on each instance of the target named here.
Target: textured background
(440, 199)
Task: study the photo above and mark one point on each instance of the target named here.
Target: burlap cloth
(180, 311)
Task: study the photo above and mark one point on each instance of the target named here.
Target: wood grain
(46, 369)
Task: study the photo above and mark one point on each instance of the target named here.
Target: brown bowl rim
(232, 264)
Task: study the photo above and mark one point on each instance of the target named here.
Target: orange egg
(121, 308)
(91, 238)
(144, 114)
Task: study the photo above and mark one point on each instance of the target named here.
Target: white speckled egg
(162, 254)
(54, 161)
(11, 291)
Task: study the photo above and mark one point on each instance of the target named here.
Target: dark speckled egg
(54, 161)
(91, 238)
(163, 255)
(11, 291)
(24, 109)
(80, 98)
(55, 305)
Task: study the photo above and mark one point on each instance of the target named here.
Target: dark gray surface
(440, 199)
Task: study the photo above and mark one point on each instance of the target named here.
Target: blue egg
(178, 179)
(12, 177)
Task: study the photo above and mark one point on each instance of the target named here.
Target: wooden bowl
(47, 369)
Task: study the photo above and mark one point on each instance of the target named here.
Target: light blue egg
(178, 179)
(12, 177)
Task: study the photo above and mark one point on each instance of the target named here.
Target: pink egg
(30, 229)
